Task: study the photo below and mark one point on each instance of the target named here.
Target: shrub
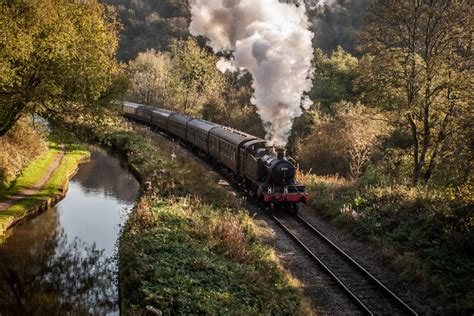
(372, 177)
(343, 144)
(20, 145)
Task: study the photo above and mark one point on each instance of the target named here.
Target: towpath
(26, 193)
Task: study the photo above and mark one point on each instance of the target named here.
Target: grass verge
(425, 234)
(33, 173)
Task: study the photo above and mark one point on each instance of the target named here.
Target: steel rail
(339, 282)
(354, 263)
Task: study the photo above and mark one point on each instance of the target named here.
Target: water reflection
(107, 176)
(60, 278)
(62, 262)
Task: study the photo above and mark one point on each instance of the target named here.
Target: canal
(64, 261)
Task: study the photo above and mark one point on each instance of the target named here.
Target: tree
(150, 24)
(150, 73)
(55, 55)
(302, 127)
(232, 107)
(420, 71)
(195, 76)
(336, 22)
(341, 144)
(333, 78)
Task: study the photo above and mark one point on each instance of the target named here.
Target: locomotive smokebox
(281, 170)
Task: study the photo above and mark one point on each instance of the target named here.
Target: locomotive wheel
(253, 193)
(260, 202)
(294, 208)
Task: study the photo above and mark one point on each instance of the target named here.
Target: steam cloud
(272, 41)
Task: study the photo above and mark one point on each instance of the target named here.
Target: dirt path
(36, 188)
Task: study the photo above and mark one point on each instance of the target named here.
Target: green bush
(372, 177)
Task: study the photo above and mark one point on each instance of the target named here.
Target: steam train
(267, 175)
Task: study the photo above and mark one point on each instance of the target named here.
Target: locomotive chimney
(273, 151)
(281, 153)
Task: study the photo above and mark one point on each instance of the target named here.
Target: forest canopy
(150, 25)
(156, 24)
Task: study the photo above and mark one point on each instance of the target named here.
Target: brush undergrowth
(188, 247)
(426, 233)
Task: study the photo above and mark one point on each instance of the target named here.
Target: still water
(64, 260)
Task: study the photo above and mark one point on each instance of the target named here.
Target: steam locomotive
(266, 174)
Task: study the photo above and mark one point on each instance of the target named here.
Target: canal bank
(64, 260)
(42, 184)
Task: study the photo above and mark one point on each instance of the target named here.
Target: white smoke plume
(313, 4)
(272, 41)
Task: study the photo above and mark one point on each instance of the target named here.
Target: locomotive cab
(252, 166)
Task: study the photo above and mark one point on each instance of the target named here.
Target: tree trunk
(12, 118)
(414, 133)
(441, 134)
(186, 102)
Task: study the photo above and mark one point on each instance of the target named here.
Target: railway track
(367, 292)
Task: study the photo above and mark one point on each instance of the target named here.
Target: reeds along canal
(63, 261)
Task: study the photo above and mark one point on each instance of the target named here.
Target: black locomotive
(267, 174)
